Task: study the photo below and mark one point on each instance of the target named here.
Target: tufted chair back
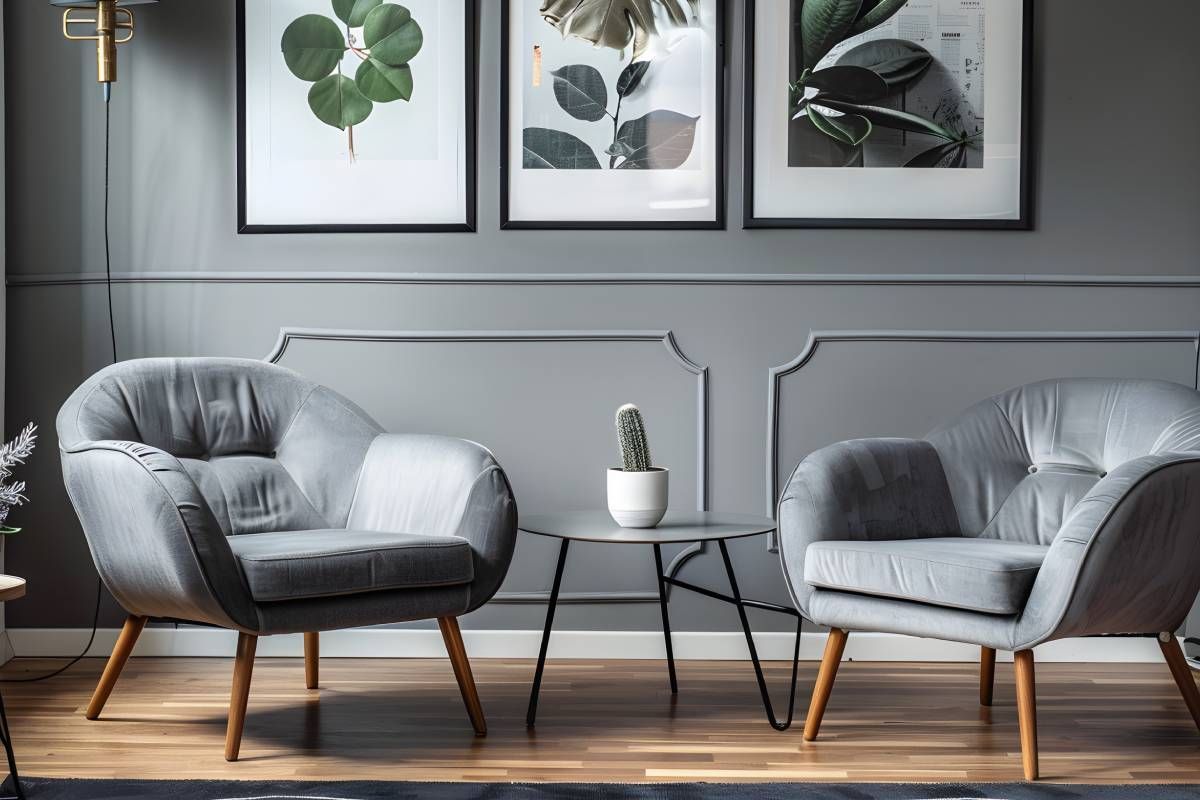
(1019, 462)
(268, 449)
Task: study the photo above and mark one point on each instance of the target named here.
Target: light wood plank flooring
(599, 721)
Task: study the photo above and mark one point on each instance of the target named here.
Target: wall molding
(818, 338)
(197, 642)
(604, 279)
(289, 335)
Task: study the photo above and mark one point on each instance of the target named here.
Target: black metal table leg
(531, 714)
(666, 620)
(6, 738)
(758, 673)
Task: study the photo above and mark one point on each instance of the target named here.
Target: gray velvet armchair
(1061, 509)
(239, 494)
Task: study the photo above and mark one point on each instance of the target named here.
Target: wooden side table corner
(11, 588)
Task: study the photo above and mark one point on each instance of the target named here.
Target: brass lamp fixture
(111, 23)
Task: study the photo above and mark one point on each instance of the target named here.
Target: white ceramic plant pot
(637, 499)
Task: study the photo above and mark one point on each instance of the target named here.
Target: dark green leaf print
(550, 149)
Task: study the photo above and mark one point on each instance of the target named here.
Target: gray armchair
(1060, 509)
(238, 494)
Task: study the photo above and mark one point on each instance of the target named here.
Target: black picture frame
(471, 100)
(1023, 223)
(721, 177)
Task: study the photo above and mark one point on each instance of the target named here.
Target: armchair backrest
(1019, 462)
(268, 449)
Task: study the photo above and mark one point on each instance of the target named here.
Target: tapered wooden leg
(116, 662)
(243, 668)
(312, 659)
(987, 675)
(1181, 673)
(1027, 712)
(835, 645)
(462, 671)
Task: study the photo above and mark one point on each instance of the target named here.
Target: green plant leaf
(313, 46)
(581, 92)
(850, 129)
(898, 62)
(622, 149)
(856, 84)
(659, 140)
(888, 118)
(874, 13)
(392, 34)
(550, 149)
(337, 101)
(945, 156)
(382, 82)
(809, 147)
(354, 12)
(631, 78)
(824, 23)
(617, 150)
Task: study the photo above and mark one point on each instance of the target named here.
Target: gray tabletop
(677, 526)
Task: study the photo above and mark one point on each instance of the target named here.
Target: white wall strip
(607, 279)
(410, 643)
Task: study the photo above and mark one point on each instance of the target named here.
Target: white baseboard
(689, 645)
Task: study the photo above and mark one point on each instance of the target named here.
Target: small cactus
(631, 434)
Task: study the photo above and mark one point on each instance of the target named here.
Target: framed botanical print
(613, 114)
(356, 115)
(888, 113)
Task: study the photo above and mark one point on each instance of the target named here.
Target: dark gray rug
(46, 789)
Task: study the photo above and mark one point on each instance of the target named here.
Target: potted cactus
(637, 491)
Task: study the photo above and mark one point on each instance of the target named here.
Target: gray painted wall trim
(664, 337)
(776, 375)
(606, 279)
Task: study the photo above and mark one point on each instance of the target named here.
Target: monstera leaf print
(845, 101)
(616, 24)
(821, 25)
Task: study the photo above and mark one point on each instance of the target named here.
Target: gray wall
(1116, 215)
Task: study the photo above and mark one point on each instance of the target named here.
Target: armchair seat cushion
(985, 575)
(325, 563)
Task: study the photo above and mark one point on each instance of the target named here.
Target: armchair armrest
(439, 486)
(867, 489)
(154, 539)
(1127, 557)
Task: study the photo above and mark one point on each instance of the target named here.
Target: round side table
(11, 588)
(676, 527)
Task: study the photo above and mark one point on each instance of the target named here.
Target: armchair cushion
(985, 575)
(325, 563)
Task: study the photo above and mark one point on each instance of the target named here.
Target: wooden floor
(600, 721)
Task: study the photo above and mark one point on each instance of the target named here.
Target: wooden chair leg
(987, 675)
(835, 645)
(116, 662)
(243, 668)
(1027, 712)
(462, 671)
(1182, 674)
(312, 659)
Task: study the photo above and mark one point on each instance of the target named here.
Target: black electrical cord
(112, 320)
(76, 659)
(112, 330)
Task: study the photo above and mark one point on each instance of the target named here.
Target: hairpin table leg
(666, 620)
(6, 738)
(531, 713)
(758, 673)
